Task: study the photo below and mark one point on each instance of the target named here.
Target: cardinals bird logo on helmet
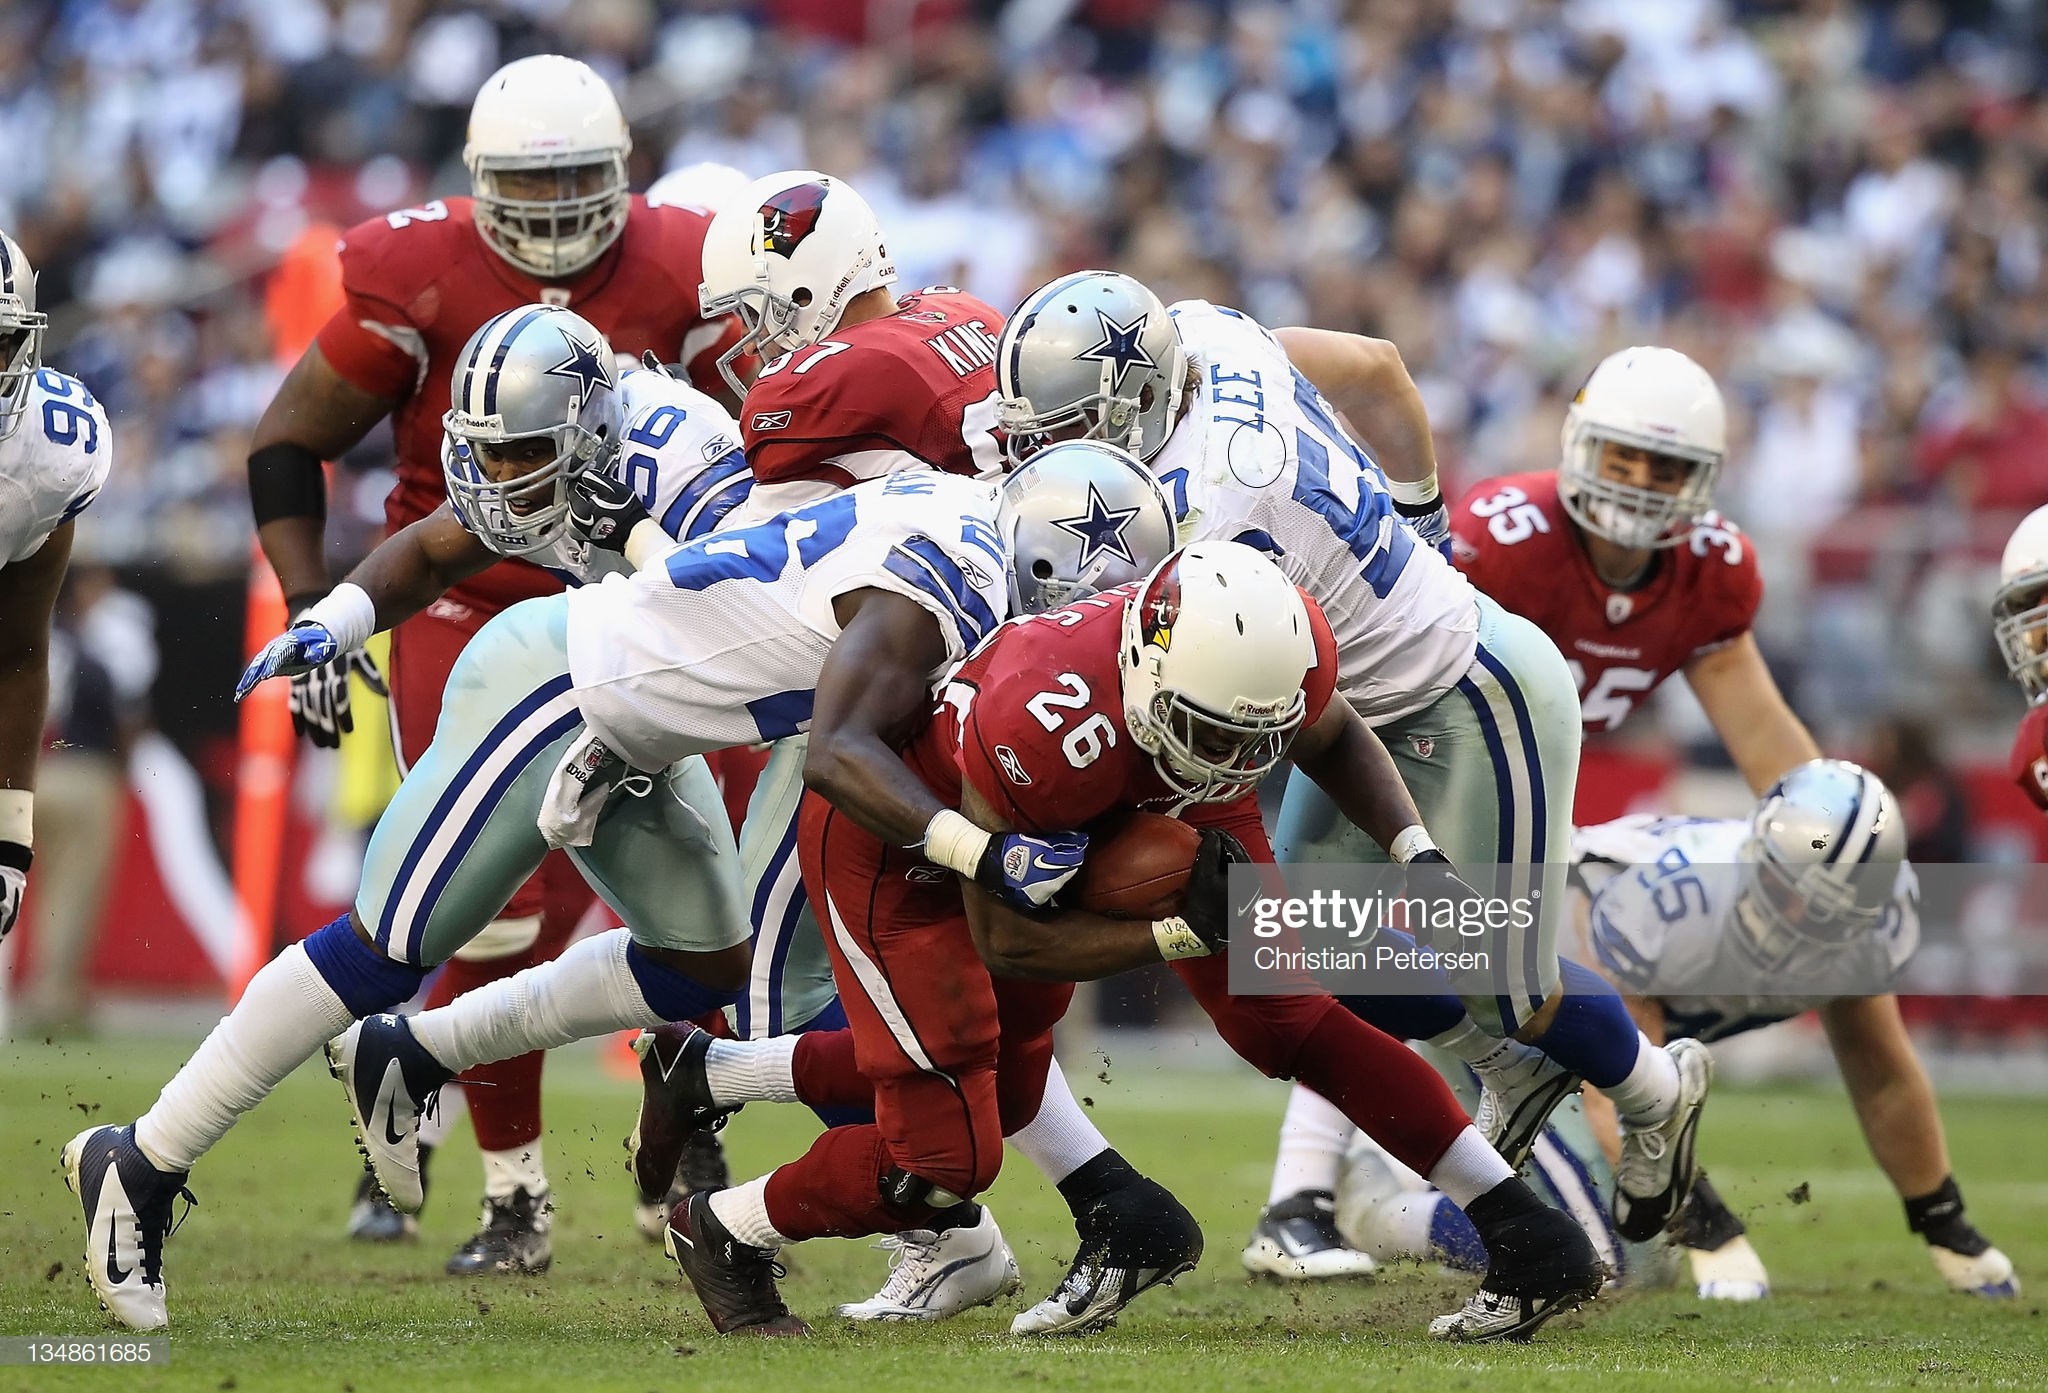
(789, 217)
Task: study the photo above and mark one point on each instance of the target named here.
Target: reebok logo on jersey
(1013, 767)
(771, 420)
(716, 448)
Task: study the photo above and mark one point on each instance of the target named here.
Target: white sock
(587, 991)
(1482, 1051)
(752, 1071)
(743, 1209)
(506, 1172)
(439, 1116)
(1313, 1136)
(1650, 1091)
(1060, 1139)
(1399, 1226)
(287, 1012)
(1468, 1169)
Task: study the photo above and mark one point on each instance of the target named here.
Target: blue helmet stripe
(504, 351)
(6, 269)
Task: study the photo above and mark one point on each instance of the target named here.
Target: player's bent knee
(501, 938)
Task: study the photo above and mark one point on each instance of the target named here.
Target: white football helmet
(1821, 866)
(786, 256)
(2019, 612)
(1080, 517)
(21, 333)
(555, 120)
(1653, 399)
(1216, 645)
(1095, 350)
(704, 185)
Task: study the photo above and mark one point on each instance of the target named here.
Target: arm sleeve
(371, 341)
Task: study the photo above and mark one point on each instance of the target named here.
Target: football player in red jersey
(1619, 557)
(1179, 692)
(2020, 624)
(551, 220)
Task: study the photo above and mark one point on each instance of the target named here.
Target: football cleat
(936, 1275)
(1297, 1241)
(1541, 1265)
(1731, 1272)
(1656, 1170)
(1132, 1239)
(371, 1219)
(390, 1079)
(675, 1102)
(735, 1281)
(703, 1168)
(516, 1239)
(127, 1218)
(1988, 1273)
(1516, 1101)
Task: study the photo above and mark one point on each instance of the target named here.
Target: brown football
(1137, 867)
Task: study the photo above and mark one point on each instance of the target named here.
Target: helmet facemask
(1104, 416)
(559, 234)
(526, 512)
(770, 321)
(1797, 921)
(1211, 758)
(21, 354)
(1629, 515)
(2020, 624)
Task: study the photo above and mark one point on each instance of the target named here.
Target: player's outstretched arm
(1756, 724)
(417, 565)
(28, 597)
(1895, 1104)
(317, 415)
(1366, 380)
(1346, 760)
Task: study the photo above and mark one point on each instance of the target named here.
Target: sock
(1593, 1034)
(1060, 1139)
(1100, 1175)
(1468, 1168)
(515, 1169)
(1313, 1135)
(1650, 1090)
(1482, 1051)
(676, 995)
(1409, 1016)
(743, 1209)
(502, 1096)
(756, 1071)
(590, 990)
(290, 1008)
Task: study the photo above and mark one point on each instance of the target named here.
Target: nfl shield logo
(1424, 746)
(1619, 608)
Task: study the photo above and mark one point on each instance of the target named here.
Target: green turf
(266, 1295)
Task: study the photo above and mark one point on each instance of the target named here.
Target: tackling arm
(1345, 759)
(417, 565)
(1762, 735)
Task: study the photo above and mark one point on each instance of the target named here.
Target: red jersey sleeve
(1018, 766)
(2029, 764)
(1472, 551)
(1321, 682)
(1731, 588)
(372, 340)
(819, 406)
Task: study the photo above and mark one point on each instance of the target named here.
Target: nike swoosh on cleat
(116, 1274)
(388, 1096)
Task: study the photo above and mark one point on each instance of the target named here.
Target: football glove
(1431, 521)
(1963, 1256)
(1431, 876)
(1208, 907)
(306, 653)
(14, 863)
(1025, 872)
(603, 512)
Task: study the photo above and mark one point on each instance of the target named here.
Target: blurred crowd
(1837, 206)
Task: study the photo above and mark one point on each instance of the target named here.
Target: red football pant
(503, 1097)
(955, 1057)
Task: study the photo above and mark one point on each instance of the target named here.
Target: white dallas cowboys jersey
(720, 641)
(53, 464)
(1663, 893)
(1258, 457)
(681, 454)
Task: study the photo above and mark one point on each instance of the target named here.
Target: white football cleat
(1656, 1169)
(1517, 1098)
(1297, 1241)
(127, 1217)
(1731, 1272)
(390, 1079)
(1989, 1273)
(936, 1275)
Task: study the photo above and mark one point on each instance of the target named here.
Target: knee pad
(501, 938)
(902, 1190)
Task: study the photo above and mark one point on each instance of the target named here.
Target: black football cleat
(1540, 1264)
(735, 1281)
(675, 1102)
(1132, 1239)
(516, 1240)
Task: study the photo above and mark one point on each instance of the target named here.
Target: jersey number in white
(1611, 698)
(437, 211)
(1510, 516)
(1085, 742)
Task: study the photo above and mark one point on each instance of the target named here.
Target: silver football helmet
(1821, 867)
(1094, 356)
(1080, 517)
(536, 403)
(21, 333)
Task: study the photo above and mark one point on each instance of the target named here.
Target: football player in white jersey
(576, 721)
(1475, 705)
(1712, 928)
(55, 451)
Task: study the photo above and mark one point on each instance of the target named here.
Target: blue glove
(1026, 872)
(309, 654)
(1432, 523)
(299, 649)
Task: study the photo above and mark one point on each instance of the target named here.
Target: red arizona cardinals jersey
(420, 281)
(2029, 764)
(1514, 540)
(919, 382)
(1034, 720)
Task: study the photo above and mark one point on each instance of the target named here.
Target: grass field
(266, 1295)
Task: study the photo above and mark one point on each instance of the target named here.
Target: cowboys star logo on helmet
(789, 217)
(584, 363)
(1101, 529)
(1120, 345)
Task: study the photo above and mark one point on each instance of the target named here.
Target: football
(1137, 868)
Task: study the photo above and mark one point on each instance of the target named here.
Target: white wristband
(347, 612)
(1177, 940)
(17, 816)
(1421, 493)
(645, 542)
(950, 840)
(1409, 843)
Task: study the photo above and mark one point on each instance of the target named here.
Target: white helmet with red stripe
(2019, 612)
(1216, 645)
(547, 163)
